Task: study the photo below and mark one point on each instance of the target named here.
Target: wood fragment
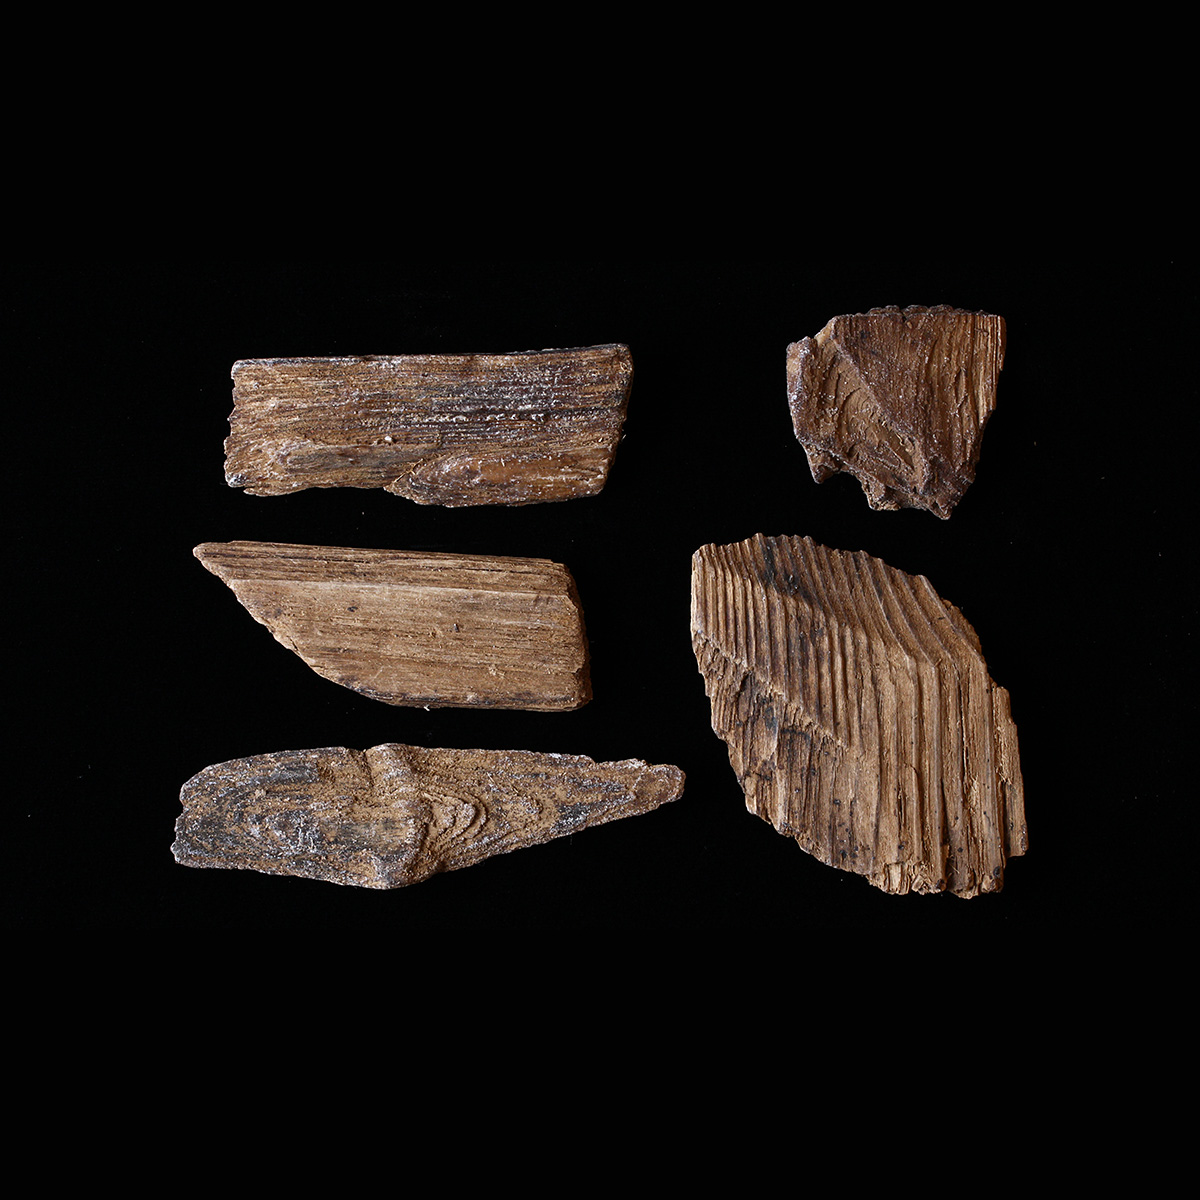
(430, 630)
(899, 398)
(453, 429)
(859, 714)
(395, 815)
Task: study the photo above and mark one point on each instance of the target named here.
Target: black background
(132, 668)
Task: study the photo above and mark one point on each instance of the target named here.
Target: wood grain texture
(859, 714)
(453, 429)
(395, 815)
(430, 630)
(899, 398)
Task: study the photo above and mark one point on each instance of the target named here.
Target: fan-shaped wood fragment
(430, 630)
(899, 398)
(453, 429)
(394, 815)
(859, 714)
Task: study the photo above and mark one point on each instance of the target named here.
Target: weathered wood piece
(431, 630)
(859, 714)
(899, 398)
(394, 815)
(451, 429)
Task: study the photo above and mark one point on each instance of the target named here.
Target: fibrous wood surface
(899, 398)
(859, 714)
(432, 630)
(394, 815)
(452, 429)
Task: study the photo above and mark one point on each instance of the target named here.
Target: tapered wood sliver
(859, 714)
(900, 399)
(395, 815)
(453, 429)
(430, 630)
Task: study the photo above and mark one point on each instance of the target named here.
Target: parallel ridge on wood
(453, 429)
(430, 630)
(899, 398)
(859, 714)
(394, 814)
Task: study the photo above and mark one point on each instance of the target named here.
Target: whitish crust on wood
(899, 398)
(859, 714)
(452, 429)
(394, 815)
(429, 630)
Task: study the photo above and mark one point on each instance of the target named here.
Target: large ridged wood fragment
(899, 398)
(429, 630)
(394, 815)
(859, 714)
(450, 429)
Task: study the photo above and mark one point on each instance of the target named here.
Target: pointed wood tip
(395, 814)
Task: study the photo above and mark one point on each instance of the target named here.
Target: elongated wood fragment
(899, 398)
(394, 815)
(859, 714)
(451, 429)
(432, 630)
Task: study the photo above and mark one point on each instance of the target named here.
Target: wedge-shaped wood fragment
(450, 429)
(432, 630)
(899, 398)
(394, 815)
(859, 714)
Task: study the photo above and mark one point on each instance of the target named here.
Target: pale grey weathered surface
(394, 815)
(859, 714)
(452, 429)
(429, 630)
(900, 399)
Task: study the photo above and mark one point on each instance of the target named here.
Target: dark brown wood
(899, 398)
(453, 429)
(859, 714)
(430, 630)
(394, 815)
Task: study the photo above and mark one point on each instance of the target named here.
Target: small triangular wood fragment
(899, 398)
(859, 714)
(395, 815)
(453, 429)
(428, 630)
